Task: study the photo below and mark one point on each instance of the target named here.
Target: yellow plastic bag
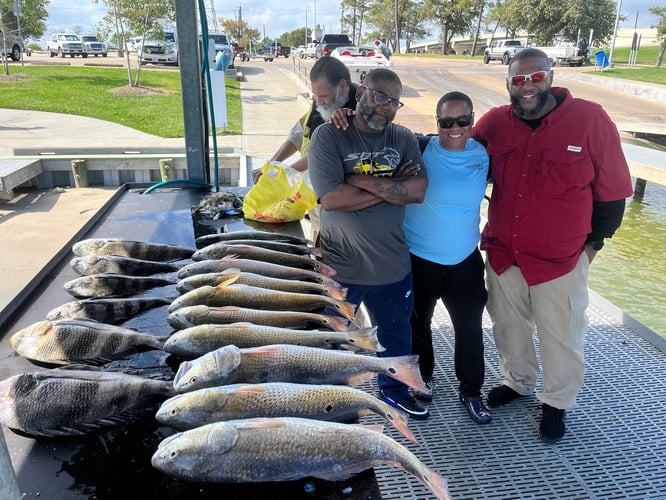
(275, 199)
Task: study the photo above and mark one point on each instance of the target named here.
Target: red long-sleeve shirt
(544, 183)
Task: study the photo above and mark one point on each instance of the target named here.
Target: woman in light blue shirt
(443, 237)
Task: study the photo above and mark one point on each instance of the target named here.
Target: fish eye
(174, 454)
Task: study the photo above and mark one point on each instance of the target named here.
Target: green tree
(132, 17)
(453, 17)
(240, 31)
(295, 37)
(550, 18)
(660, 12)
(33, 17)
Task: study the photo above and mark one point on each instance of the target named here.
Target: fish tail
(347, 309)
(435, 483)
(325, 269)
(406, 370)
(399, 420)
(337, 324)
(329, 282)
(367, 339)
(336, 293)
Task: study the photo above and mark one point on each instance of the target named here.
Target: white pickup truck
(11, 45)
(502, 50)
(309, 50)
(65, 44)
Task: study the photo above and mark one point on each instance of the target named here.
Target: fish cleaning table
(115, 463)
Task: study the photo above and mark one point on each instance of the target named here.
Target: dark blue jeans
(389, 308)
(462, 289)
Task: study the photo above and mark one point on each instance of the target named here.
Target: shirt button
(515, 252)
(520, 195)
(514, 235)
(516, 216)
(529, 155)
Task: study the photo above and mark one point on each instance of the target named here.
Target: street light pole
(617, 21)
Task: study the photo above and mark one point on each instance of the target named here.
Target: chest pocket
(565, 171)
(500, 158)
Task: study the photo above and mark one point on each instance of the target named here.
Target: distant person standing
(383, 49)
(443, 236)
(560, 180)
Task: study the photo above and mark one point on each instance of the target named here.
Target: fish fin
(266, 350)
(360, 378)
(232, 271)
(259, 423)
(372, 427)
(338, 324)
(325, 269)
(315, 251)
(336, 293)
(230, 258)
(227, 282)
(406, 370)
(366, 338)
(247, 389)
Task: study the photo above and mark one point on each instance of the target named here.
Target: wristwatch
(596, 245)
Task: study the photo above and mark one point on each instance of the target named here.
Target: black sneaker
(552, 426)
(501, 395)
(424, 396)
(476, 409)
(409, 405)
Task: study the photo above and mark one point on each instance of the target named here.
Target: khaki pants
(313, 213)
(556, 309)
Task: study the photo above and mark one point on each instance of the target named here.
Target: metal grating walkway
(615, 446)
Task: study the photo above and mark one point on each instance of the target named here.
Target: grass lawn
(155, 108)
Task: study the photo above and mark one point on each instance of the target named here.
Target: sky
(273, 17)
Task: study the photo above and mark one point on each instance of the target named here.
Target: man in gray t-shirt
(364, 176)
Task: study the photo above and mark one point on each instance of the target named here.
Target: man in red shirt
(560, 180)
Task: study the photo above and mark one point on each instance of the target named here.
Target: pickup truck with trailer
(12, 45)
(330, 42)
(567, 52)
(65, 44)
(502, 50)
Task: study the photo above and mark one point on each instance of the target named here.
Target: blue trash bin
(222, 61)
(601, 59)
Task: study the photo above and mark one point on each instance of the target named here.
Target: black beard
(366, 115)
(530, 114)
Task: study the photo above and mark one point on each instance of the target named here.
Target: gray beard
(366, 114)
(327, 111)
(530, 114)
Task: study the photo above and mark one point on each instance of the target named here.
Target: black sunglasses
(461, 121)
(381, 99)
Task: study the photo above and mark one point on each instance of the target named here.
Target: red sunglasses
(536, 77)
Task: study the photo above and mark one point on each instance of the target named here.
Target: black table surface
(115, 463)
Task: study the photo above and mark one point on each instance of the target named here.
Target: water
(630, 271)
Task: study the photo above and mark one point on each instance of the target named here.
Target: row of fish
(241, 317)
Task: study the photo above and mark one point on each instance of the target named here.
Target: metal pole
(617, 21)
(192, 95)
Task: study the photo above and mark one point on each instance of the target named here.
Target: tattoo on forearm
(397, 191)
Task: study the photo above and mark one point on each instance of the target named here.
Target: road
(425, 80)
